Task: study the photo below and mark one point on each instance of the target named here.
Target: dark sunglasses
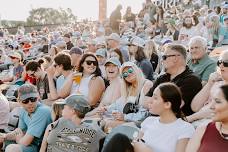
(225, 63)
(55, 65)
(129, 71)
(164, 57)
(88, 62)
(13, 57)
(32, 99)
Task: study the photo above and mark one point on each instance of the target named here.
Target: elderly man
(200, 63)
(33, 120)
(176, 71)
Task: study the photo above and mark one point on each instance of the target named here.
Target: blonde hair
(150, 48)
(126, 87)
(214, 20)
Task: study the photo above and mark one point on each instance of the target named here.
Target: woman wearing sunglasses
(133, 89)
(202, 101)
(90, 84)
(214, 136)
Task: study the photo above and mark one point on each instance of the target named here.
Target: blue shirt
(224, 32)
(36, 123)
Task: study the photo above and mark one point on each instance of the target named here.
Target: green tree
(41, 16)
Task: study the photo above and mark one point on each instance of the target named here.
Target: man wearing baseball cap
(71, 133)
(223, 32)
(33, 120)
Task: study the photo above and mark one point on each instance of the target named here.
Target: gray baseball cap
(113, 60)
(27, 91)
(79, 103)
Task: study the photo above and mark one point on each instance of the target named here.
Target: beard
(188, 26)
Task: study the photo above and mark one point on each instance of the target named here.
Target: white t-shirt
(163, 137)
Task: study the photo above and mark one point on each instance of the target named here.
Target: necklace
(224, 136)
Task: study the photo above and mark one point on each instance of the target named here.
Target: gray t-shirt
(68, 137)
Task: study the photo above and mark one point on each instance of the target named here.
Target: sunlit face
(68, 112)
(131, 76)
(112, 71)
(197, 51)
(89, 68)
(101, 60)
(156, 103)
(223, 69)
(220, 107)
(75, 59)
(188, 21)
(30, 107)
(169, 62)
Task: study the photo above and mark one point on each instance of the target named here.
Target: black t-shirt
(188, 83)
(154, 60)
(115, 16)
(69, 45)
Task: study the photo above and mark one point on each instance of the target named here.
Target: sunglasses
(88, 62)
(126, 74)
(13, 57)
(55, 65)
(225, 63)
(32, 99)
(164, 57)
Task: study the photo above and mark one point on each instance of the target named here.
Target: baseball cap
(225, 17)
(76, 50)
(114, 60)
(91, 41)
(137, 41)
(16, 55)
(79, 103)
(60, 44)
(225, 6)
(127, 64)
(67, 35)
(114, 36)
(27, 91)
(101, 52)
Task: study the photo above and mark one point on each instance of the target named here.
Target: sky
(19, 9)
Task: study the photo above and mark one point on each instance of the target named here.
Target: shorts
(30, 148)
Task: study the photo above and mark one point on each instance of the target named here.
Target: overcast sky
(19, 9)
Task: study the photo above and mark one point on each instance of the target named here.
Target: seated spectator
(137, 53)
(56, 113)
(176, 71)
(53, 51)
(223, 33)
(116, 53)
(213, 137)
(120, 143)
(67, 39)
(76, 55)
(101, 55)
(168, 132)
(33, 69)
(4, 112)
(17, 68)
(70, 133)
(33, 120)
(60, 70)
(112, 92)
(133, 90)
(202, 101)
(200, 63)
(91, 84)
(47, 62)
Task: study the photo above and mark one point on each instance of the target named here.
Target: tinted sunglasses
(129, 71)
(12, 57)
(55, 65)
(164, 57)
(32, 99)
(225, 63)
(88, 62)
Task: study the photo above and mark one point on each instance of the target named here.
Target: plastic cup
(77, 78)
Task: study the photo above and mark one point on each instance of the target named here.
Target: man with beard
(187, 31)
(176, 71)
(33, 120)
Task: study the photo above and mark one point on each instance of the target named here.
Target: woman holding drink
(87, 81)
(202, 101)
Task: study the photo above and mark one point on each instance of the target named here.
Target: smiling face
(197, 51)
(89, 65)
(220, 107)
(112, 71)
(30, 107)
(223, 69)
(129, 74)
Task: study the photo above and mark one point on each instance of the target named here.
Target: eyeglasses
(129, 71)
(164, 57)
(26, 101)
(225, 63)
(12, 57)
(88, 62)
(55, 65)
(33, 74)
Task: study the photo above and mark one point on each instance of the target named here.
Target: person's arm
(202, 96)
(44, 141)
(26, 140)
(52, 88)
(181, 144)
(141, 147)
(67, 86)
(194, 142)
(96, 89)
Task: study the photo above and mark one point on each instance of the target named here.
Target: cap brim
(30, 95)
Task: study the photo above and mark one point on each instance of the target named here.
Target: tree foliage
(41, 16)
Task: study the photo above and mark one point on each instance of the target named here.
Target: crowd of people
(151, 81)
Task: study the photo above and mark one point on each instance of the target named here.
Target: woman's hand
(101, 110)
